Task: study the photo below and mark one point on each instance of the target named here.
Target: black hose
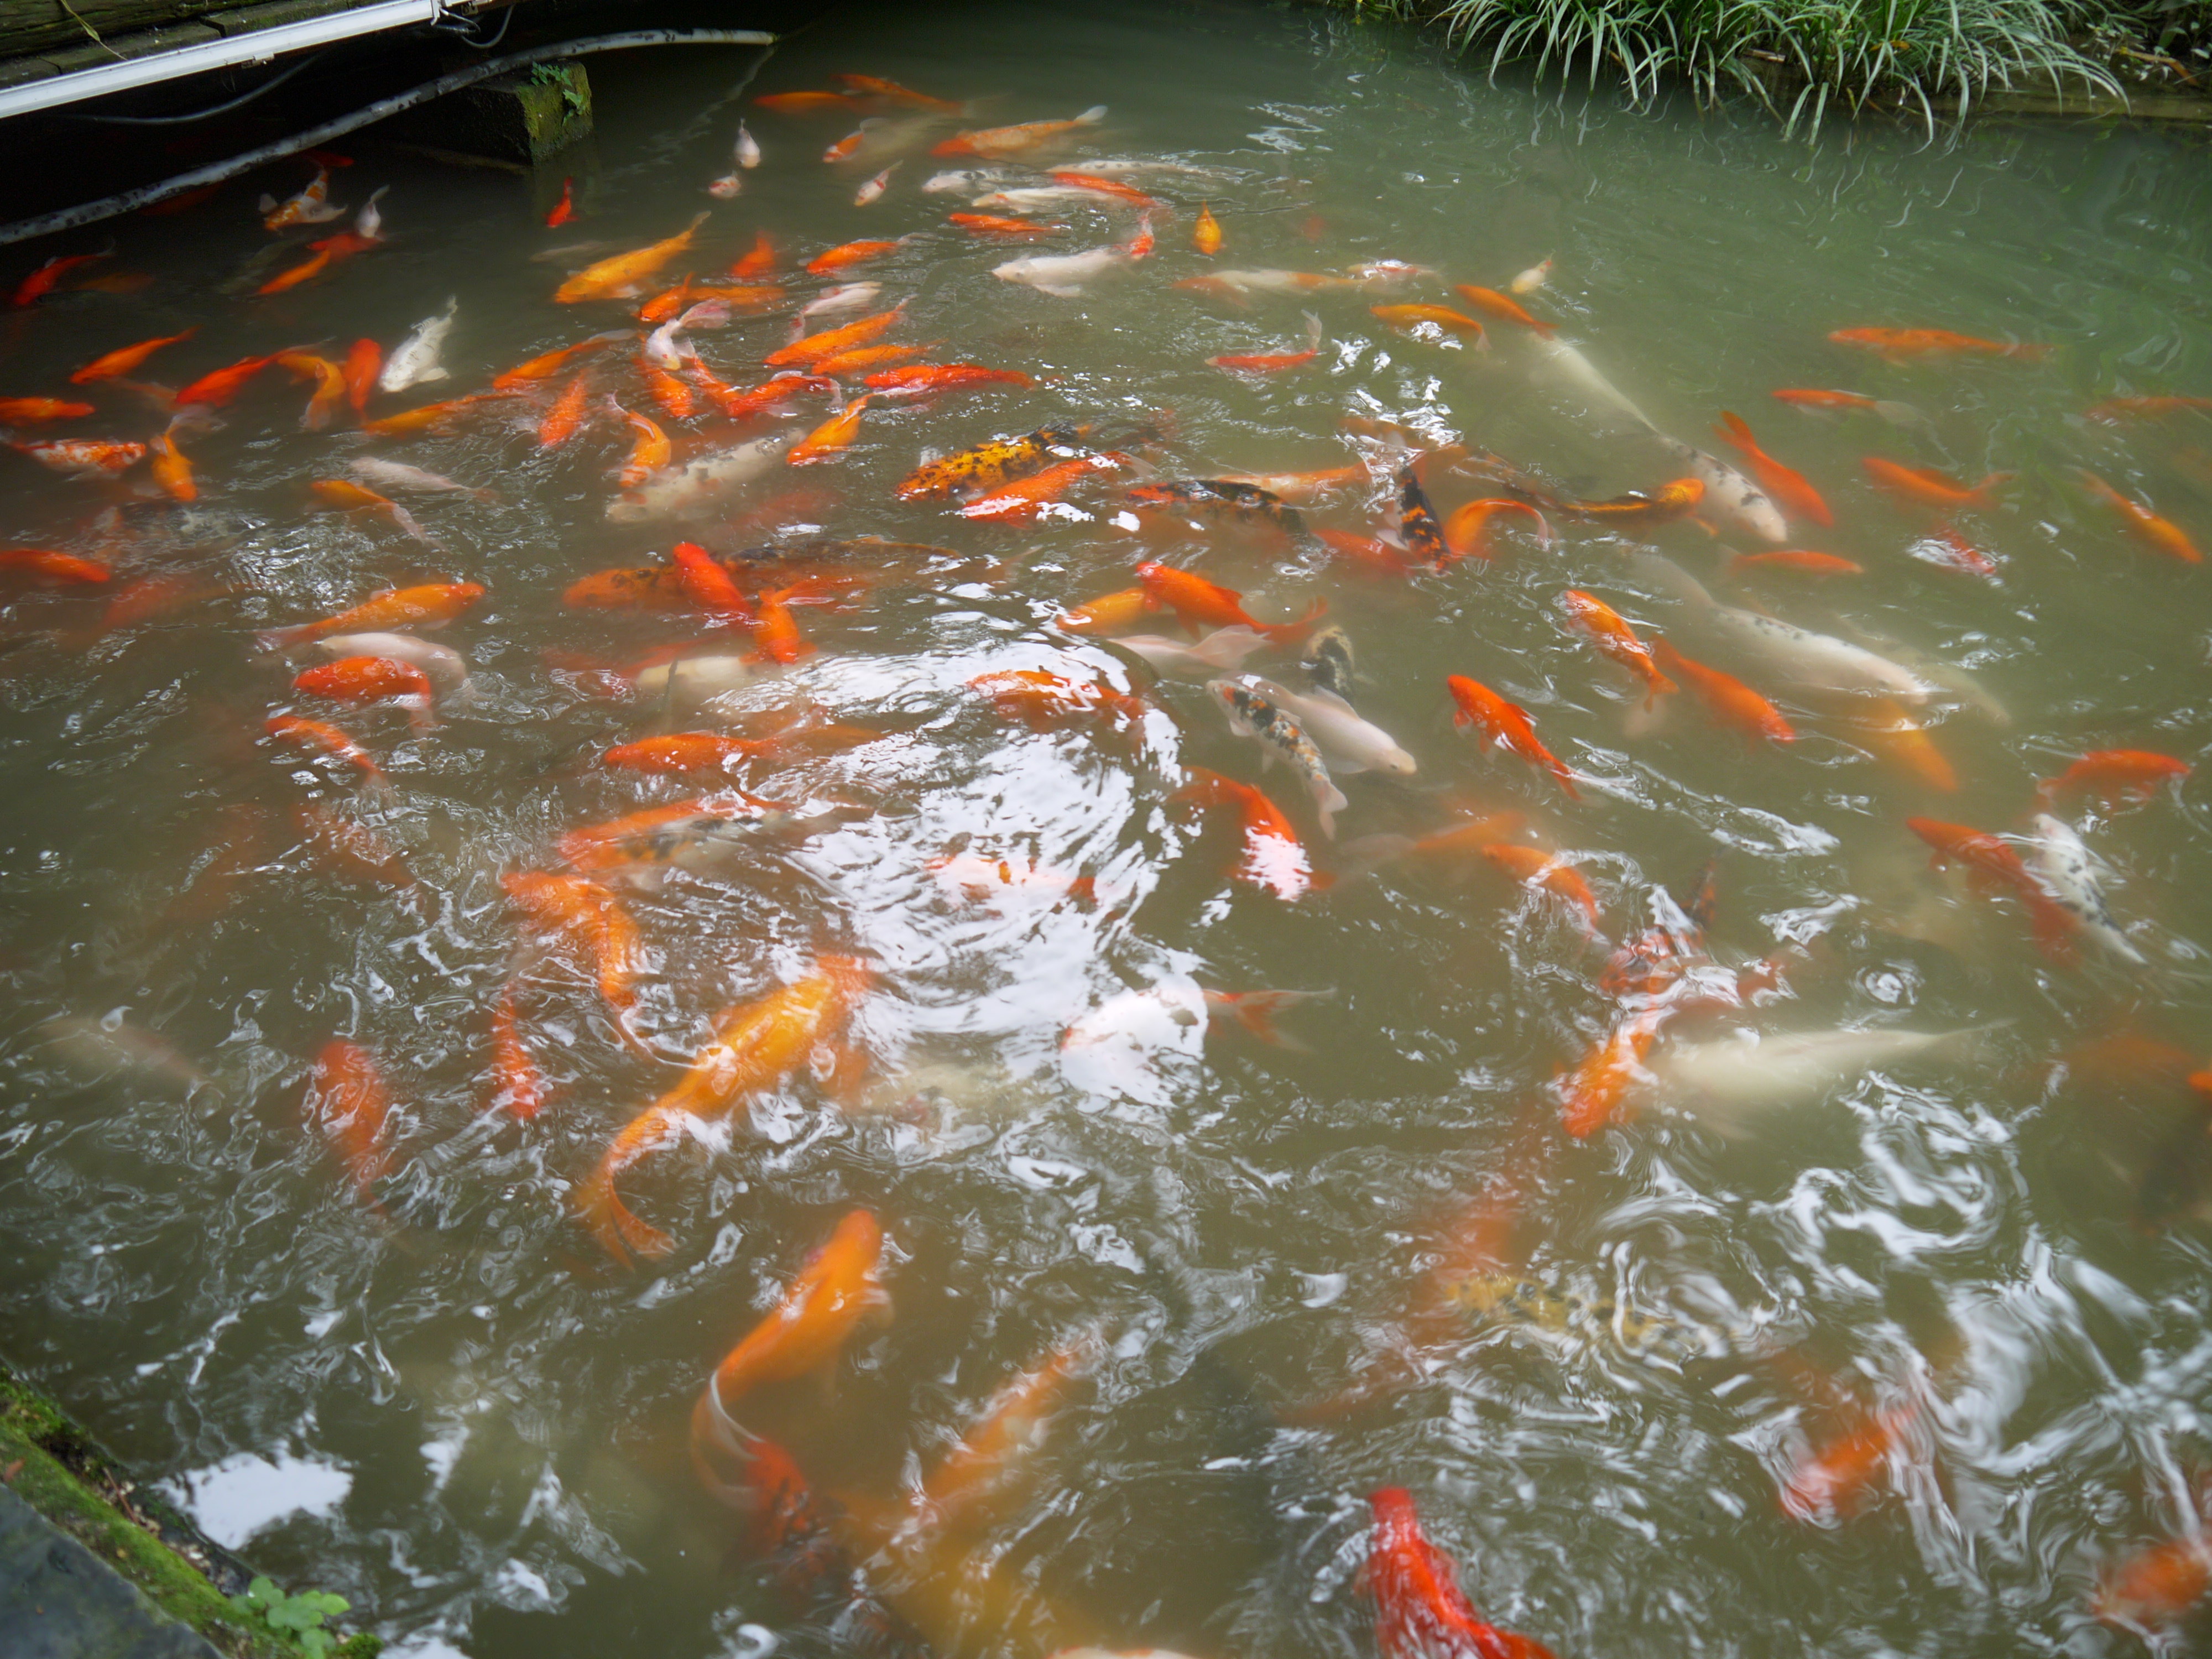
(215, 172)
(239, 102)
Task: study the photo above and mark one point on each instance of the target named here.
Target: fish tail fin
(1734, 428)
(1091, 117)
(1257, 1011)
(1293, 633)
(1313, 331)
(1985, 493)
(272, 640)
(1567, 777)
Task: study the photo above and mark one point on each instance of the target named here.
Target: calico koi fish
(2162, 535)
(113, 365)
(349, 1100)
(626, 274)
(1273, 858)
(84, 457)
(1420, 1611)
(999, 144)
(1419, 533)
(756, 1045)
(1785, 484)
(1929, 488)
(1302, 488)
(312, 206)
(1729, 701)
(988, 465)
(1219, 502)
(1507, 726)
(1900, 344)
(1281, 736)
(1616, 640)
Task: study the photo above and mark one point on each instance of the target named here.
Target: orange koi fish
(114, 364)
(2162, 535)
(1673, 500)
(1728, 699)
(350, 497)
(875, 87)
(1595, 1093)
(1273, 858)
(757, 263)
(987, 1458)
(552, 363)
(1444, 316)
(709, 587)
(433, 605)
(429, 415)
(1200, 605)
(1272, 362)
(584, 913)
(1017, 502)
(1892, 732)
(681, 752)
(874, 356)
(673, 395)
(993, 224)
(1501, 307)
(40, 283)
(370, 679)
(1995, 866)
(847, 146)
(804, 103)
(2115, 774)
(936, 379)
(626, 274)
(331, 390)
(36, 411)
(1535, 867)
(1205, 234)
(1616, 640)
(218, 388)
(2115, 409)
(1805, 563)
(759, 399)
(997, 143)
(777, 635)
(1832, 1482)
(1810, 398)
(846, 255)
(84, 455)
(756, 1046)
(350, 851)
(306, 270)
(564, 210)
(170, 469)
(1371, 553)
(146, 598)
(1898, 344)
(50, 570)
(1114, 188)
(362, 361)
(1466, 532)
(632, 587)
(349, 1101)
(315, 738)
(566, 417)
(2157, 1586)
(1420, 1611)
(833, 437)
(1122, 609)
(1928, 487)
(803, 353)
(1507, 726)
(1787, 486)
(649, 450)
(517, 1087)
(1042, 700)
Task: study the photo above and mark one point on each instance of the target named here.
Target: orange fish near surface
(846, 255)
(1019, 501)
(1273, 858)
(2115, 773)
(582, 913)
(50, 570)
(1728, 699)
(546, 366)
(170, 469)
(1535, 867)
(1205, 234)
(433, 605)
(1042, 700)
(2156, 1586)
(626, 274)
(935, 380)
(1890, 730)
(1504, 309)
(833, 437)
(219, 387)
(348, 1100)
(370, 679)
(1833, 1482)
(36, 286)
(1466, 532)
(1411, 316)
(993, 224)
(315, 738)
(804, 103)
(1119, 191)
(1595, 1093)
(1507, 726)
(363, 359)
(803, 353)
(1198, 603)
(1420, 1611)
(1787, 486)
(997, 143)
(36, 411)
(1930, 487)
(757, 1045)
(2146, 409)
(518, 1086)
(2162, 535)
(566, 418)
(1898, 343)
(874, 86)
(1615, 639)
(777, 635)
(1995, 866)
(1805, 563)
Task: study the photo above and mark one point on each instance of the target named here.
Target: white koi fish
(960, 182)
(1531, 279)
(1729, 494)
(846, 296)
(1221, 652)
(676, 492)
(415, 358)
(2073, 875)
(1253, 714)
(94, 1049)
(661, 345)
(874, 189)
(368, 223)
(1564, 365)
(1821, 662)
(1062, 274)
(1039, 196)
(1731, 1082)
(410, 480)
(445, 668)
(1117, 1048)
(1348, 743)
(312, 206)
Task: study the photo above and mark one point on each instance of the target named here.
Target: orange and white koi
(1997, 867)
(1785, 484)
(317, 737)
(312, 206)
(347, 496)
(370, 679)
(84, 457)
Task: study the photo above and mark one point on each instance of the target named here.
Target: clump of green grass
(1801, 57)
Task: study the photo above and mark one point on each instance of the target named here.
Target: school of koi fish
(747, 414)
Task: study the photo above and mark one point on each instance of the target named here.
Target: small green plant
(563, 76)
(299, 1617)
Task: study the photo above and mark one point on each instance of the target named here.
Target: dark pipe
(215, 172)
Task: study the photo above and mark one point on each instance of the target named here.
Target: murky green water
(455, 1409)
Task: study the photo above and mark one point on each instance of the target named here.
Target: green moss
(64, 1476)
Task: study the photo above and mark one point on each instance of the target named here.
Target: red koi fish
(370, 679)
(2116, 774)
(40, 283)
(1728, 699)
(362, 361)
(804, 103)
(564, 210)
(1507, 726)
(48, 569)
(1898, 344)
(114, 364)
(1420, 1611)
(218, 388)
(348, 1100)
(1273, 858)
(1995, 866)
(1785, 484)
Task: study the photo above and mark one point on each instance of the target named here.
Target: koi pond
(1099, 810)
